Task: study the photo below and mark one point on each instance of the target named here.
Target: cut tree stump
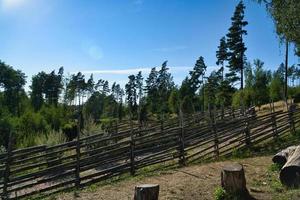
(233, 180)
(290, 172)
(146, 192)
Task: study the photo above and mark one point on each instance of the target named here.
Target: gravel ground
(187, 183)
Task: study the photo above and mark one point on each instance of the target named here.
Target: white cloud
(129, 71)
(117, 71)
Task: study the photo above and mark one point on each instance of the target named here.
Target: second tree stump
(146, 192)
(233, 179)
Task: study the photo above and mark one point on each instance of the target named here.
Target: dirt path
(188, 183)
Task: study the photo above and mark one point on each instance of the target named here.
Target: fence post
(291, 118)
(274, 126)
(216, 139)
(182, 160)
(5, 195)
(247, 132)
(232, 112)
(132, 144)
(77, 183)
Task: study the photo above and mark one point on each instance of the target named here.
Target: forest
(57, 103)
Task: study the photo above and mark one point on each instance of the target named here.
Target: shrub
(32, 122)
(220, 193)
(54, 116)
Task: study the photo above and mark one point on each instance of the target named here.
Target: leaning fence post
(216, 139)
(247, 132)
(77, 183)
(274, 126)
(182, 160)
(132, 144)
(291, 118)
(7, 168)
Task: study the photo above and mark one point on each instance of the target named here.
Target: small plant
(238, 153)
(275, 167)
(220, 194)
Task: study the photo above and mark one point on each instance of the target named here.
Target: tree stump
(146, 192)
(290, 172)
(233, 180)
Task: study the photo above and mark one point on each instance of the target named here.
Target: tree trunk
(286, 70)
(290, 172)
(146, 192)
(233, 180)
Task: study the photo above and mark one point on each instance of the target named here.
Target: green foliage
(174, 101)
(130, 89)
(276, 88)
(260, 85)
(221, 53)
(237, 98)
(275, 167)
(220, 193)
(286, 17)
(187, 105)
(32, 122)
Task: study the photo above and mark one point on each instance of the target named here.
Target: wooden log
(282, 156)
(146, 192)
(233, 180)
(290, 172)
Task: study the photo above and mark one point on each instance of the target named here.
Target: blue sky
(114, 38)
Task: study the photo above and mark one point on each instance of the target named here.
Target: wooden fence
(43, 170)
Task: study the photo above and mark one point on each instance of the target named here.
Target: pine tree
(139, 84)
(236, 46)
(198, 71)
(221, 54)
(130, 89)
(165, 85)
(152, 90)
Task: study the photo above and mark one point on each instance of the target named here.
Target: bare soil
(194, 182)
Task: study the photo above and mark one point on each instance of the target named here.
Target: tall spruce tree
(152, 90)
(130, 89)
(236, 45)
(139, 84)
(221, 54)
(198, 71)
(165, 85)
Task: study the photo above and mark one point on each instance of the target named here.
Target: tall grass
(41, 138)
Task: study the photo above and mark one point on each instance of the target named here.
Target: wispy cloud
(117, 71)
(170, 49)
(129, 71)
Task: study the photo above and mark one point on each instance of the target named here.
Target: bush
(54, 116)
(32, 122)
(295, 94)
(245, 96)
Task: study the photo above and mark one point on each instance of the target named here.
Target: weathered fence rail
(44, 170)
